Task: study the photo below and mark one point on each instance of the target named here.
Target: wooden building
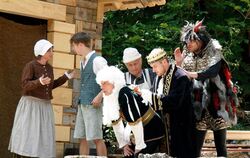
(22, 23)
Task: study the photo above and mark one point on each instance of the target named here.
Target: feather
(197, 26)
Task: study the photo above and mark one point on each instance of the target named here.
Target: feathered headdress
(194, 32)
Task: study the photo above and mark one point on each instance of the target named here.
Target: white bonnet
(41, 47)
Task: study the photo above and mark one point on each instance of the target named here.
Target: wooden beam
(112, 5)
(232, 135)
(59, 149)
(68, 2)
(131, 6)
(90, 4)
(59, 26)
(106, 1)
(63, 60)
(109, 7)
(100, 12)
(58, 114)
(34, 8)
(62, 133)
(121, 1)
(160, 2)
(62, 96)
(144, 2)
(77, 59)
(118, 5)
(61, 41)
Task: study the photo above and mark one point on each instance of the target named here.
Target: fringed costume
(213, 98)
(213, 87)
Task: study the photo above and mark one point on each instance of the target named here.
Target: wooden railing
(234, 135)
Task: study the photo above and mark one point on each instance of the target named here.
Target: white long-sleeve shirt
(98, 63)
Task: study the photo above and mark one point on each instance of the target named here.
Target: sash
(167, 79)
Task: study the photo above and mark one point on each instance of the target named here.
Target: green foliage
(110, 139)
(240, 126)
(243, 122)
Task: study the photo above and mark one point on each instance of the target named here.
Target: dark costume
(176, 101)
(145, 81)
(213, 98)
(133, 111)
(124, 104)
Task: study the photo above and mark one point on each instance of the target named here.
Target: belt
(148, 116)
(145, 118)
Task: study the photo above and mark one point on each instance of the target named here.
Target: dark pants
(151, 148)
(219, 139)
(182, 142)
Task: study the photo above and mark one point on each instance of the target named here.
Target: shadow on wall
(18, 36)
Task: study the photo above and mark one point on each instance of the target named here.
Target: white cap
(156, 54)
(41, 47)
(130, 54)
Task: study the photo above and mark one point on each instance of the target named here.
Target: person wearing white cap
(89, 115)
(172, 96)
(122, 103)
(136, 75)
(33, 132)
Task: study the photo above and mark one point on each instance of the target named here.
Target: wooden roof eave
(129, 4)
(113, 5)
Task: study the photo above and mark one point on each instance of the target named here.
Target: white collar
(89, 55)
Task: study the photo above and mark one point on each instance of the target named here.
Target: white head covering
(41, 47)
(110, 103)
(111, 74)
(130, 54)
